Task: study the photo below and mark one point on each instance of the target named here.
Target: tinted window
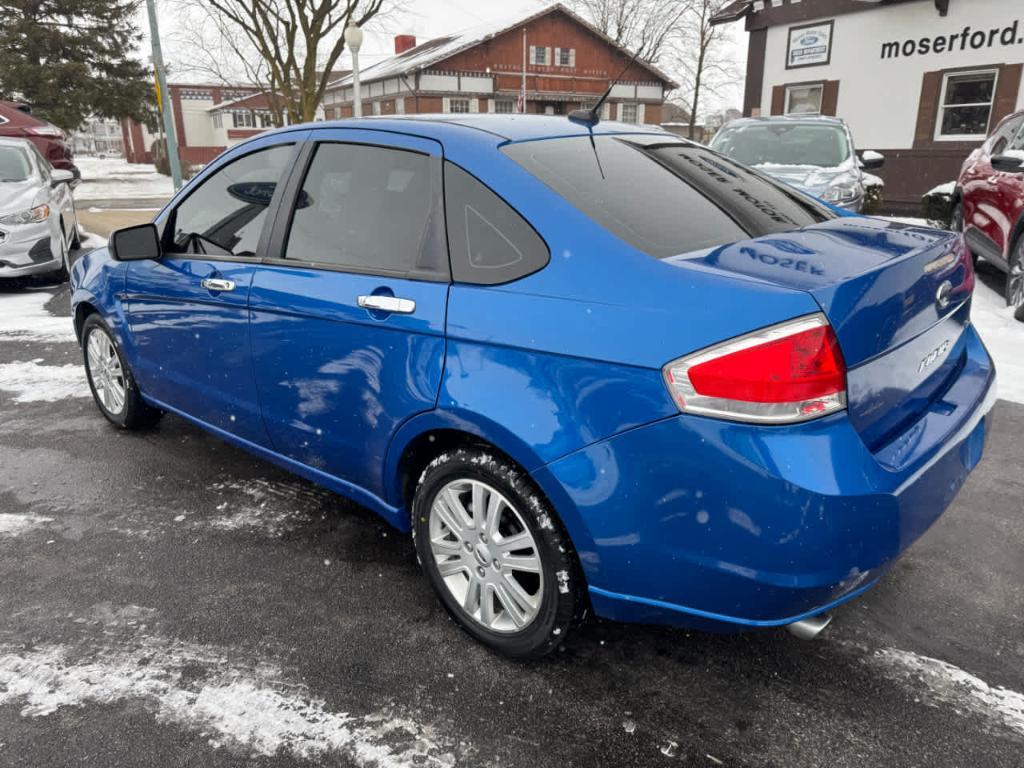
(489, 242)
(824, 146)
(370, 209)
(225, 215)
(665, 197)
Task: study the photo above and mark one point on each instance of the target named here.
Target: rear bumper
(718, 525)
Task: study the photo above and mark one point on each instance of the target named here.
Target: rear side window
(489, 241)
(370, 209)
(663, 196)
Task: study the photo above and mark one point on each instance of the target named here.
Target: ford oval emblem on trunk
(942, 295)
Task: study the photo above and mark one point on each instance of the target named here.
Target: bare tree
(649, 26)
(701, 56)
(296, 43)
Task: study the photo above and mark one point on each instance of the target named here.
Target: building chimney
(404, 42)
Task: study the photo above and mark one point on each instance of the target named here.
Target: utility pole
(163, 95)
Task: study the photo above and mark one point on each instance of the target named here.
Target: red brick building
(569, 63)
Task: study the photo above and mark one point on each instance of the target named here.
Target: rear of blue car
(807, 454)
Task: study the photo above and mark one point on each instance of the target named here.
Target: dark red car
(989, 203)
(17, 121)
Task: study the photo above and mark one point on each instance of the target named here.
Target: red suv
(989, 203)
(17, 121)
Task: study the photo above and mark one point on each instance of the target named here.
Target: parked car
(17, 121)
(988, 204)
(814, 154)
(612, 369)
(38, 224)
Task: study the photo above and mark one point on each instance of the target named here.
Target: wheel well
(427, 447)
(82, 311)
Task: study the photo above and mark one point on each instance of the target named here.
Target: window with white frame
(627, 113)
(504, 106)
(804, 99)
(458, 105)
(965, 105)
(265, 119)
(242, 119)
(565, 57)
(539, 55)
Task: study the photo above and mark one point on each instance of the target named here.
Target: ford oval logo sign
(808, 40)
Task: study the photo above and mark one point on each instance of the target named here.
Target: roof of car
(819, 119)
(514, 127)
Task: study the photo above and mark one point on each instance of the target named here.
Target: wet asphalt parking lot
(168, 600)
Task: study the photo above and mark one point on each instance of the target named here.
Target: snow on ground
(23, 317)
(271, 508)
(11, 524)
(1003, 336)
(116, 178)
(247, 705)
(34, 383)
(948, 684)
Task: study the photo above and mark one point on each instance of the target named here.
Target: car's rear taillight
(779, 375)
(50, 131)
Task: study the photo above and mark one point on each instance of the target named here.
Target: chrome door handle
(388, 304)
(217, 284)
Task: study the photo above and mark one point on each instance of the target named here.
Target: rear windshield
(665, 197)
(14, 164)
(823, 146)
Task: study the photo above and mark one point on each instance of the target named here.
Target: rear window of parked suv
(662, 196)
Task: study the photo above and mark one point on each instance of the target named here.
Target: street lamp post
(354, 40)
(165, 108)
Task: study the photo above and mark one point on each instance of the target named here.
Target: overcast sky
(432, 18)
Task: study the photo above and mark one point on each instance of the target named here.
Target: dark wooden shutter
(928, 109)
(830, 98)
(1007, 88)
(778, 99)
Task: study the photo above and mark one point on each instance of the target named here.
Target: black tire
(956, 223)
(560, 586)
(1015, 276)
(76, 236)
(134, 413)
(63, 273)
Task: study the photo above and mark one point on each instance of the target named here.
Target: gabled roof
(732, 12)
(438, 49)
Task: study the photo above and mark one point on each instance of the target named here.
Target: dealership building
(921, 81)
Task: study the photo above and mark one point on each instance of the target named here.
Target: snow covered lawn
(117, 179)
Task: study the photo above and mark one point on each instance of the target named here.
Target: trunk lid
(897, 296)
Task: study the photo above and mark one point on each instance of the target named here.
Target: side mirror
(135, 243)
(871, 161)
(59, 176)
(1008, 163)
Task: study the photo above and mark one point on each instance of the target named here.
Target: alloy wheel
(1015, 280)
(105, 371)
(486, 555)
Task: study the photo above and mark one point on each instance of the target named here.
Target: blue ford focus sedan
(586, 367)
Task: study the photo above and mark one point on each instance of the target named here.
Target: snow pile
(23, 317)
(116, 178)
(948, 684)
(34, 383)
(242, 705)
(870, 181)
(943, 190)
(1004, 338)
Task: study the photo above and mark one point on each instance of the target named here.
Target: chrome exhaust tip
(808, 629)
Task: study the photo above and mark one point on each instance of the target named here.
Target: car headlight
(31, 216)
(843, 191)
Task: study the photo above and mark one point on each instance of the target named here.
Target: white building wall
(198, 123)
(879, 97)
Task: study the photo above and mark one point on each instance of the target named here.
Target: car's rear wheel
(495, 554)
(1015, 277)
(110, 380)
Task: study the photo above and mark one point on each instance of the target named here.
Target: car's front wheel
(110, 380)
(1015, 277)
(496, 555)
(957, 225)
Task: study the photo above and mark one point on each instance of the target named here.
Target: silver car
(38, 225)
(814, 154)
